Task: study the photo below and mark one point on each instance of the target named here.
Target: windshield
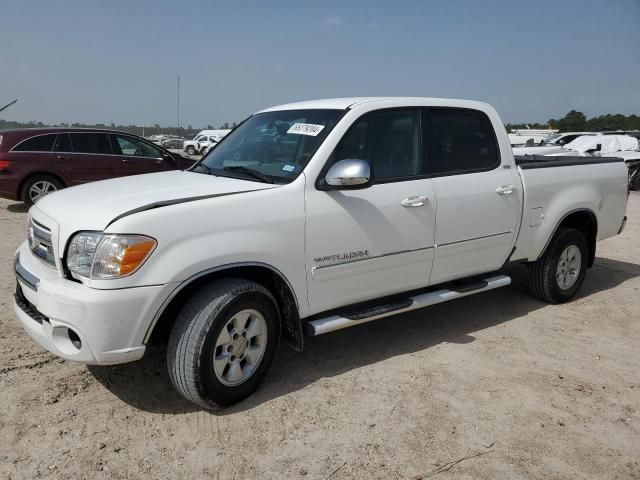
(271, 146)
(552, 138)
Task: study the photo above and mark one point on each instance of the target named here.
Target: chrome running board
(338, 322)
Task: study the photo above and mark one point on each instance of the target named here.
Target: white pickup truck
(307, 218)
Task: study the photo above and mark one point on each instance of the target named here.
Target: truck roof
(350, 102)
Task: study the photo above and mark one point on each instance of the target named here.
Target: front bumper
(79, 323)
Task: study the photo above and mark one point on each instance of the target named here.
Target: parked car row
(596, 145)
(35, 162)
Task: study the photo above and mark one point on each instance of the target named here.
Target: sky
(94, 61)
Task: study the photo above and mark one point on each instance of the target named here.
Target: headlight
(97, 256)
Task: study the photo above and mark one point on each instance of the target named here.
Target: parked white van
(204, 139)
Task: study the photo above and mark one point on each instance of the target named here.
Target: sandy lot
(540, 391)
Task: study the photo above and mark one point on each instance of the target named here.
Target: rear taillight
(4, 164)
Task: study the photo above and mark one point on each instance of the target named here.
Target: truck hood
(95, 205)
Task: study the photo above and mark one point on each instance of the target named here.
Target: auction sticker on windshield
(305, 129)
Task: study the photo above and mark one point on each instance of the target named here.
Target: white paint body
(205, 139)
(465, 228)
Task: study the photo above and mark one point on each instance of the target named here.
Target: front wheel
(223, 343)
(558, 274)
(191, 150)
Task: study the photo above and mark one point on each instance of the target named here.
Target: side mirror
(350, 173)
(598, 148)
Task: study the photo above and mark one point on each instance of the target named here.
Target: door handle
(126, 160)
(505, 189)
(416, 201)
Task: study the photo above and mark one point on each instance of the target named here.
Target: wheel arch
(35, 173)
(585, 221)
(266, 275)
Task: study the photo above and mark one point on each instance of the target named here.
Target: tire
(195, 343)
(191, 150)
(546, 278)
(43, 183)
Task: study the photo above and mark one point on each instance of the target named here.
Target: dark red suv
(37, 161)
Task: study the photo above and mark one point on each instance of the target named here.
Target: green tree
(573, 121)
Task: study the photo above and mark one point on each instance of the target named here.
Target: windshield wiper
(208, 169)
(249, 171)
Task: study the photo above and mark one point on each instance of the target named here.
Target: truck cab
(306, 219)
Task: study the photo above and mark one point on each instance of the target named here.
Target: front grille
(40, 243)
(28, 308)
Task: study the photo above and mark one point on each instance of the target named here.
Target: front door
(479, 197)
(368, 243)
(132, 156)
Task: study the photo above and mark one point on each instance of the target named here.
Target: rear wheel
(558, 275)
(39, 186)
(223, 343)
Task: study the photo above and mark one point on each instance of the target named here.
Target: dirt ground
(539, 391)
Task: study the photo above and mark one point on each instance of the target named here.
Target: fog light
(66, 340)
(75, 339)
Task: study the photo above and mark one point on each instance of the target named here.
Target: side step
(338, 322)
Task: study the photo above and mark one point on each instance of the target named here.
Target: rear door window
(97, 143)
(459, 141)
(39, 143)
(63, 143)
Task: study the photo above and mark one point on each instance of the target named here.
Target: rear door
(478, 197)
(77, 169)
(91, 156)
(367, 243)
(134, 156)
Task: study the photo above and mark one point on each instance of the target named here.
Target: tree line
(575, 121)
(143, 131)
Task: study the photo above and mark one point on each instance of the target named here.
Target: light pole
(178, 104)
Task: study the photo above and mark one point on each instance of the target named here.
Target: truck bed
(591, 184)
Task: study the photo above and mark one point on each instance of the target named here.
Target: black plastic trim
(28, 308)
(378, 310)
(470, 286)
(528, 162)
